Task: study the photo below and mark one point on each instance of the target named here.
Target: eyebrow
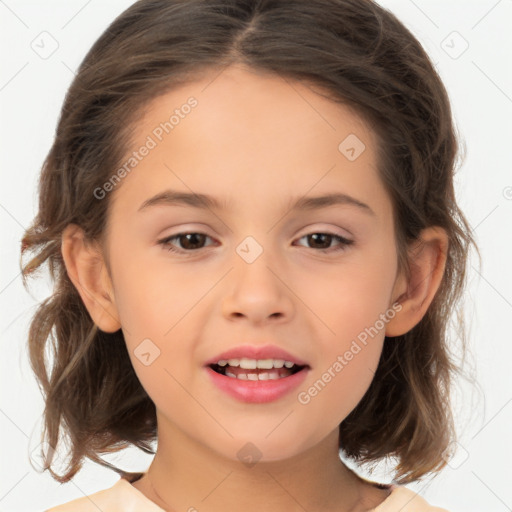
(203, 201)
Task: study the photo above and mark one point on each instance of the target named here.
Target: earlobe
(427, 259)
(88, 273)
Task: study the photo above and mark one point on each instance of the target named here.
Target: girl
(249, 215)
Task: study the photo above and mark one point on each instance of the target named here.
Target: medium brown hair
(361, 56)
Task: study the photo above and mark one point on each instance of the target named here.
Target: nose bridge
(257, 290)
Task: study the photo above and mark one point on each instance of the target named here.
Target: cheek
(354, 296)
(156, 305)
(356, 310)
(151, 294)
(339, 383)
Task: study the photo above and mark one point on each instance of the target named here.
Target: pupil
(316, 236)
(188, 237)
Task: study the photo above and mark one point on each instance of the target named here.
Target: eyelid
(307, 231)
(167, 239)
(343, 242)
(328, 229)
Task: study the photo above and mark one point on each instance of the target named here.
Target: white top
(124, 497)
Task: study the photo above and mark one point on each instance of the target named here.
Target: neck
(186, 475)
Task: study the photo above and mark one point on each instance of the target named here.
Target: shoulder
(406, 500)
(120, 497)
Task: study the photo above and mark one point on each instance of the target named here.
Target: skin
(256, 142)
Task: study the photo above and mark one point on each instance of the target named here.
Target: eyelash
(166, 245)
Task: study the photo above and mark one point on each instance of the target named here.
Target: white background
(479, 82)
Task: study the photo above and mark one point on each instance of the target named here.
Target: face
(314, 279)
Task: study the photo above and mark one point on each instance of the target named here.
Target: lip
(252, 352)
(257, 391)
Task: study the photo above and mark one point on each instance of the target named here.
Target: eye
(325, 239)
(189, 242)
(193, 241)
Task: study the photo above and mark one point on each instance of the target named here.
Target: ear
(427, 258)
(88, 272)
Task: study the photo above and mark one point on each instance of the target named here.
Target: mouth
(256, 370)
(257, 375)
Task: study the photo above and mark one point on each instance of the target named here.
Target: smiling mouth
(236, 372)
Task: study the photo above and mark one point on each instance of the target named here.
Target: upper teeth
(250, 364)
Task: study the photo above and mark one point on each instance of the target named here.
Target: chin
(259, 449)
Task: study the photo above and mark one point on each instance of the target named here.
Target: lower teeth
(259, 376)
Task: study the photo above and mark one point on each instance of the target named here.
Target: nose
(258, 293)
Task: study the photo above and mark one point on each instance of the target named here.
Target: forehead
(242, 135)
(236, 99)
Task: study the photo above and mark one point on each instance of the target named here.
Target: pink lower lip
(257, 391)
